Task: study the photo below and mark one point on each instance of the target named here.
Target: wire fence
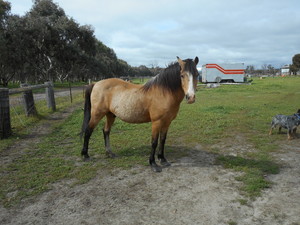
(17, 104)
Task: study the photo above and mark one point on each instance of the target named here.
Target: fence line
(28, 100)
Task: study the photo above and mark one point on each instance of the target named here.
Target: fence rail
(27, 88)
(28, 100)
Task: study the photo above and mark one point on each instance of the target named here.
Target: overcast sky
(154, 32)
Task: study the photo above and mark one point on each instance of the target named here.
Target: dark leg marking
(152, 162)
(87, 134)
(107, 144)
(161, 153)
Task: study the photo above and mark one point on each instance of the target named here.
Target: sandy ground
(194, 190)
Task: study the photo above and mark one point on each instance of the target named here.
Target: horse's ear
(196, 60)
(181, 63)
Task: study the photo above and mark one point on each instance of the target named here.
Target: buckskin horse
(157, 101)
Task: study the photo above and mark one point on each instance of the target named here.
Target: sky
(154, 32)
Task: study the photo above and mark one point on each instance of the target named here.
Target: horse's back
(112, 86)
(114, 83)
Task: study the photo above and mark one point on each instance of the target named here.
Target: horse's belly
(130, 110)
(130, 116)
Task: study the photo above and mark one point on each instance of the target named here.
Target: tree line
(268, 69)
(47, 45)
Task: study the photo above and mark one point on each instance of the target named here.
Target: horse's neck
(179, 95)
(176, 97)
(157, 91)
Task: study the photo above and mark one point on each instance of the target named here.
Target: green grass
(21, 124)
(254, 171)
(218, 116)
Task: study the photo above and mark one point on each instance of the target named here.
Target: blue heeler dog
(288, 122)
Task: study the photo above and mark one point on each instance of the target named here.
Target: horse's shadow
(184, 156)
(178, 156)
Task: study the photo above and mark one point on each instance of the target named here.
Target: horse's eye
(182, 76)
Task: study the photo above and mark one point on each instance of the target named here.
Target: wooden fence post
(28, 99)
(50, 96)
(5, 127)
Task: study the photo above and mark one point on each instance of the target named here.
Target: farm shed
(285, 70)
(226, 72)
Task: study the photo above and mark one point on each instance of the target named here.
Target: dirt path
(194, 190)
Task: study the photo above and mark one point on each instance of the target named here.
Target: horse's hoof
(86, 158)
(111, 155)
(165, 163)
(156, 168)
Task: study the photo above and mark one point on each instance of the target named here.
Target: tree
(46, 44)
(155, 69)
(293, 69)
(16, 47)
(76, 50)
(264, 68)
(271, 70)
(41, 23)
(123, 68)
(4, 12)
(296, 63)
(250, 69)
(10, 44)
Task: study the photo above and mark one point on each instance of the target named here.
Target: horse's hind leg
(154, 143)
(87, 135)
(110, 118)
(95, 118)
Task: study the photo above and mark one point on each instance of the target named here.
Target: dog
(287, 122)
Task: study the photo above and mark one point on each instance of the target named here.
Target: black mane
(169, 78)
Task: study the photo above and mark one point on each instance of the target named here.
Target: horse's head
(189, 74)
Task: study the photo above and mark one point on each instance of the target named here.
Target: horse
(157, 101)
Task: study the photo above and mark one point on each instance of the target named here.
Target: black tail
(87, 109)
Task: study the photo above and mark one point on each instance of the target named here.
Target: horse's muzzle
(190, 99)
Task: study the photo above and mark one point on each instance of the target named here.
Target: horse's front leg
(161, 153)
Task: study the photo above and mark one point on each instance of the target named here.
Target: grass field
(224, 121)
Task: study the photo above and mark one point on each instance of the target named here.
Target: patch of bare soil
(194, 190)
(281, 203)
